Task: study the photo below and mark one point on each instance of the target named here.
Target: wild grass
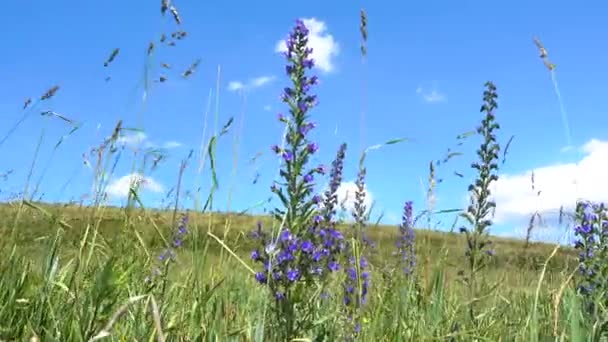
(90, 272)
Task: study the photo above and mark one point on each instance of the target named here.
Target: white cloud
(139, 138)
(172, 144)
(235, 85)
(256, 82)
(260, 81)
(431, 96)
(132, 139)
(346, 196)
(560, 184)
(324, 46)
(120, 187)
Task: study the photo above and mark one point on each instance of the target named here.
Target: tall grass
(95, 272)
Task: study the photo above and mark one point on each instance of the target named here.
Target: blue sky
(427, 63)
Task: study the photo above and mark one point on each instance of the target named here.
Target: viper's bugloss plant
(169, 253)
(298, 260)
(478, 212)
(406, 241)
(592, 245)
(357, 280)
(295, 191)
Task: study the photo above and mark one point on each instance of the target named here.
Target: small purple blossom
(261, 277)
(288, 156)
(312, 147)
(293, 275)
(307, 247)
(333, 266)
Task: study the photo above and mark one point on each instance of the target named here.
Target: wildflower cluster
(170, 252)
(289, 258)
(314, 254)
(405, 243)
(592, 244)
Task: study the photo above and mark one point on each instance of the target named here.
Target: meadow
(90, 271)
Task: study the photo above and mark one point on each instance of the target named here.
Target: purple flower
(289, 70)
(286, 235)
(308, 178)
(303, 106)
(308, 63)
(293, 275)
(307, 247)
(287, 156)
(333, 266)
(261, 277)
(312, 147)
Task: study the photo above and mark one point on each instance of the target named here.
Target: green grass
(60, 285)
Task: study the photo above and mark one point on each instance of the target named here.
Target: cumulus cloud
(560, 185)
(120, 187)
(346, 196)
(323, 44)
(432, 95)
(253, 83)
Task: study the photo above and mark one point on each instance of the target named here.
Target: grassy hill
(62, 254)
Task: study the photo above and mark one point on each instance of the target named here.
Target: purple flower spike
(405, 243)
(169, 254)
(591, 244)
